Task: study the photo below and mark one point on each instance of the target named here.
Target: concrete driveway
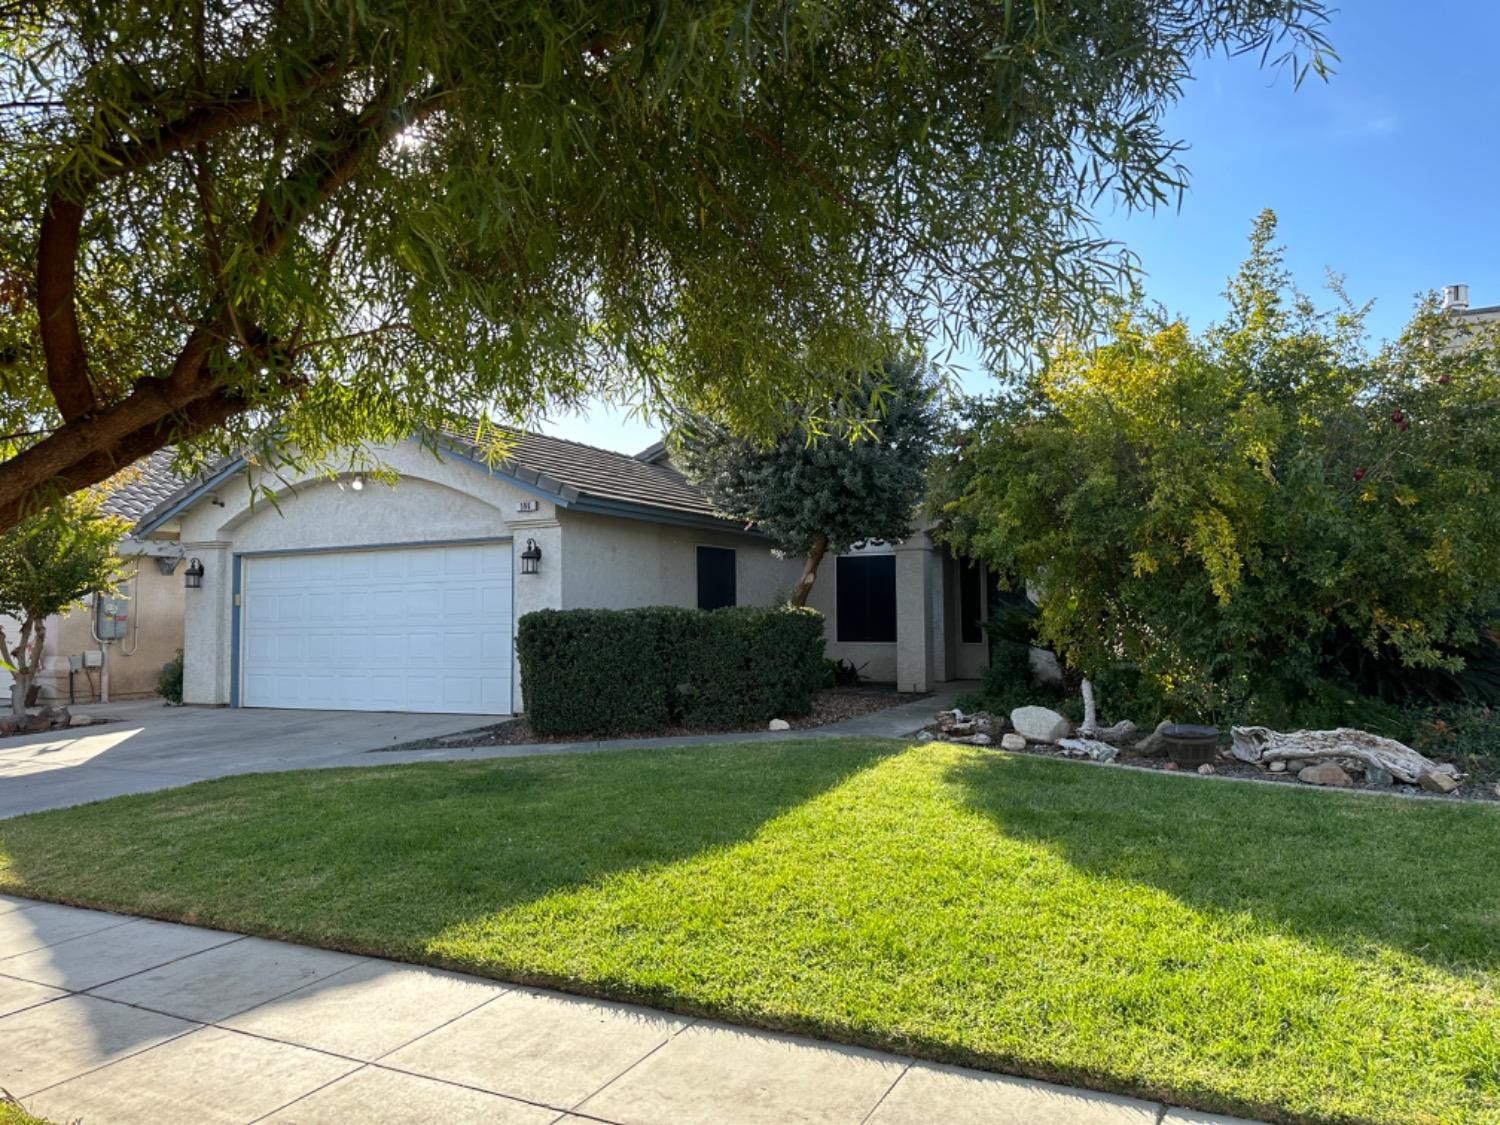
(148, 746)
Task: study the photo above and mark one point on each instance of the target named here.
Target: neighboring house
(1456, 305)
(350, 594)
(149, 617)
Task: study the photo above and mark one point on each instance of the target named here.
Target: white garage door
(400, 629)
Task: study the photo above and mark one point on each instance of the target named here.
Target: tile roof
(572, 470)
(145, 484)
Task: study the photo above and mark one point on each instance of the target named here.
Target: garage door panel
(415, 629)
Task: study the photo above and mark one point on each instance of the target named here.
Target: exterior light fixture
(358, 483)
(531, 557)
(194, 574)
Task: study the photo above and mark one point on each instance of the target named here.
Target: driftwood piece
(1259, 745)
(1089, 748)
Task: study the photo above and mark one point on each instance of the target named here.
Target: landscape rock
(1170, 766)
(1277, 766)
(947, 720)
(780, 724)
(1154, 745)
(1436, 781)
(962, 730)
(1325, 773)
(1374, 775)
(975, 740)
(1121, 734)
(1040, 724)
(926, 736)
(1012, 741)
(1206, 769)
(58, 716)
(80, 720)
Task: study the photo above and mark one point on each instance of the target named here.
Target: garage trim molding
(236, 585)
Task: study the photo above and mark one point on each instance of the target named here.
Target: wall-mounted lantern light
(194, 574)
(531, 557)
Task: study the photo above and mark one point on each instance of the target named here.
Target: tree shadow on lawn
(380, 860)
(1350, 870)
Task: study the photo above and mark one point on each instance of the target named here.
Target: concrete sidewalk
(111, 1020)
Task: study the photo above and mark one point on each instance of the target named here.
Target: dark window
(867, 598)
(715, 577)
(970, 605)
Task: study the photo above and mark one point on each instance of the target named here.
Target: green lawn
(1270, 951)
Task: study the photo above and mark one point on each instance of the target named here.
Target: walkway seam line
(880, 1101)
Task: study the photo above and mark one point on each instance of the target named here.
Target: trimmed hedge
(611, 671)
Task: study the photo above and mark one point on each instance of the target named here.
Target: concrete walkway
(148, 746)
(110, 1020)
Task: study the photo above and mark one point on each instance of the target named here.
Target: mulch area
(1479, 781)
(831, 706)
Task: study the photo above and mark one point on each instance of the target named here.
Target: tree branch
(57, 247)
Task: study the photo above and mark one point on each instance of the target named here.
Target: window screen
(716, 587)
(867, 598)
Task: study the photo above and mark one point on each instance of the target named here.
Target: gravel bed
(830, 706)
(1479, 782)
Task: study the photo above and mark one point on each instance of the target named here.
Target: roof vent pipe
(1455, 298)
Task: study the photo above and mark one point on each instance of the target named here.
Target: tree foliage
(811, 492)
(1236, 516)
(48, 564)
(229, 221)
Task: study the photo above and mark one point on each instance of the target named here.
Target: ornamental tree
(49, 563)
(1232, 518)
(811, 492)
(236, 221)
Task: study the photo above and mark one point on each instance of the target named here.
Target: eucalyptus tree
(332, 220)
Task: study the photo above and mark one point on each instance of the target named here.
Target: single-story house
(130, 637)
(348, 593)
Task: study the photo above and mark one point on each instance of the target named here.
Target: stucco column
(914, 620)
(206, 625)
(542, 590)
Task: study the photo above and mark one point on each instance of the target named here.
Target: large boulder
(1040, 724)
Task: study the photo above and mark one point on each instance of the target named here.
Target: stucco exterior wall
(155, 634)
(435, 500)
(135, 661)
(614, 563)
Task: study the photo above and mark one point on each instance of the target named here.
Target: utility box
(111, 617)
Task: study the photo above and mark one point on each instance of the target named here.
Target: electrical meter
(111, 617)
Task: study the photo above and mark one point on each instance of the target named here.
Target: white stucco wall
(433, 501)
(615, 563)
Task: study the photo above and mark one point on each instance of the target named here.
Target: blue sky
(1387, 174)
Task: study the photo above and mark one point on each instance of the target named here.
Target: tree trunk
(20, 687)
(1090, 727)
(1258, 744)
(809, 570)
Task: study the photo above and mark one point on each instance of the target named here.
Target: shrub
(1224, 519)
(169, 683)
(612, 671)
